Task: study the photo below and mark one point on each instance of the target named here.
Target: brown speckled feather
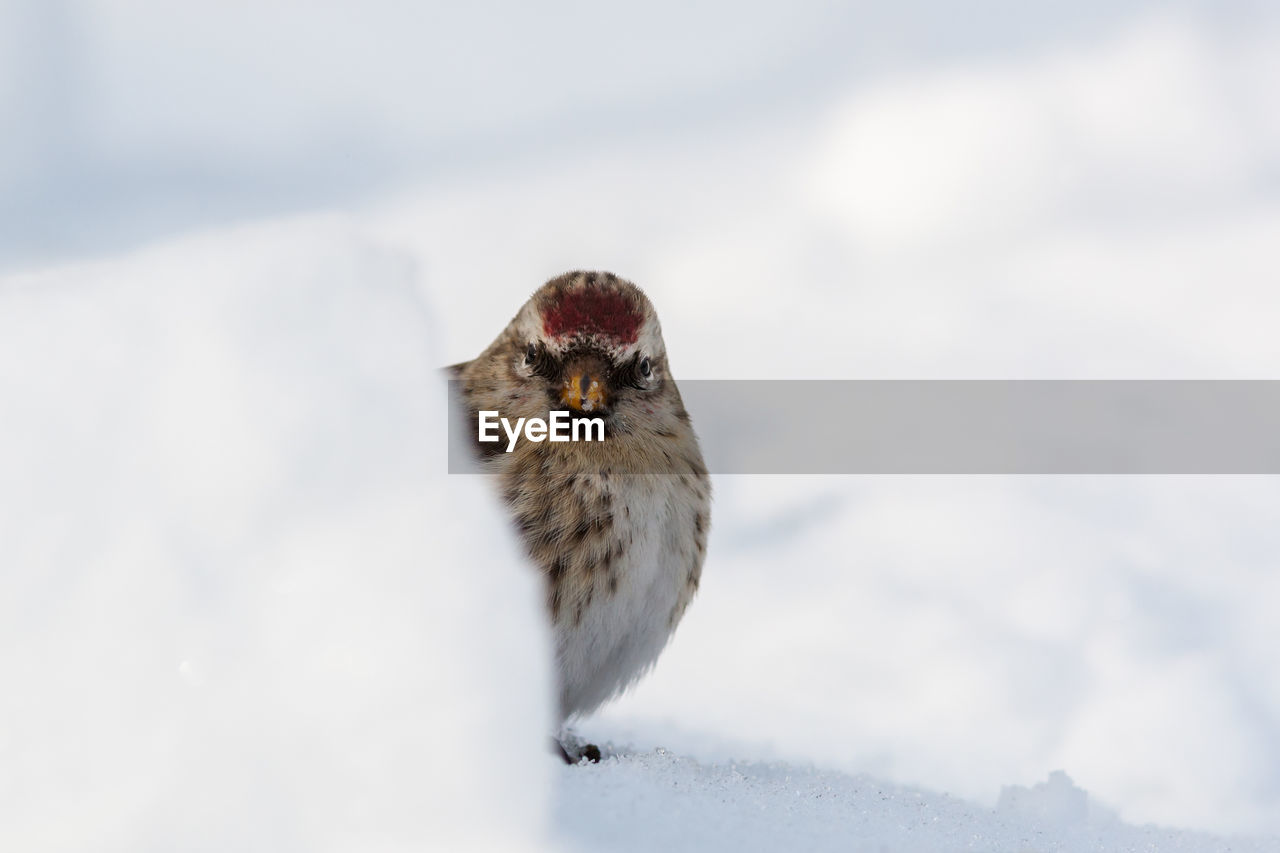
(617, 528)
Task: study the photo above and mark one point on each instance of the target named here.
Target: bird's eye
(531, 354)
(645, 368)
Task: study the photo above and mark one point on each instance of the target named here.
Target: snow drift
(240, 608)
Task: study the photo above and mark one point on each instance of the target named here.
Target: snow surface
(657, 800)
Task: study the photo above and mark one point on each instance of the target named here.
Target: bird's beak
(583, 391)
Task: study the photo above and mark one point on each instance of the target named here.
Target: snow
(968, 633)
(244, 608)
(241, 607)
(656, 800)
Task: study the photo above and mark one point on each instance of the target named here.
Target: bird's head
(588, 342)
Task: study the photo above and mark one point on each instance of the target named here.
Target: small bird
(618, 527)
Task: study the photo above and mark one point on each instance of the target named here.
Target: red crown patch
(591, 311)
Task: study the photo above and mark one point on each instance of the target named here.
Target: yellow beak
(583, 392)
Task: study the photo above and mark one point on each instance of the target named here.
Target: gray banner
(980, 426)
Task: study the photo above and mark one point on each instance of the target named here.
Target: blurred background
(814, 189)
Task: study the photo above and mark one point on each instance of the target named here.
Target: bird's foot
(572, 750)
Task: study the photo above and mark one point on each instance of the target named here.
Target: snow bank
(240, 606)
(659, 801)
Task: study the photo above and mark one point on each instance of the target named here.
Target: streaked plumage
(618, 528)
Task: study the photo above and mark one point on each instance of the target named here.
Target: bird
(617, 528)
